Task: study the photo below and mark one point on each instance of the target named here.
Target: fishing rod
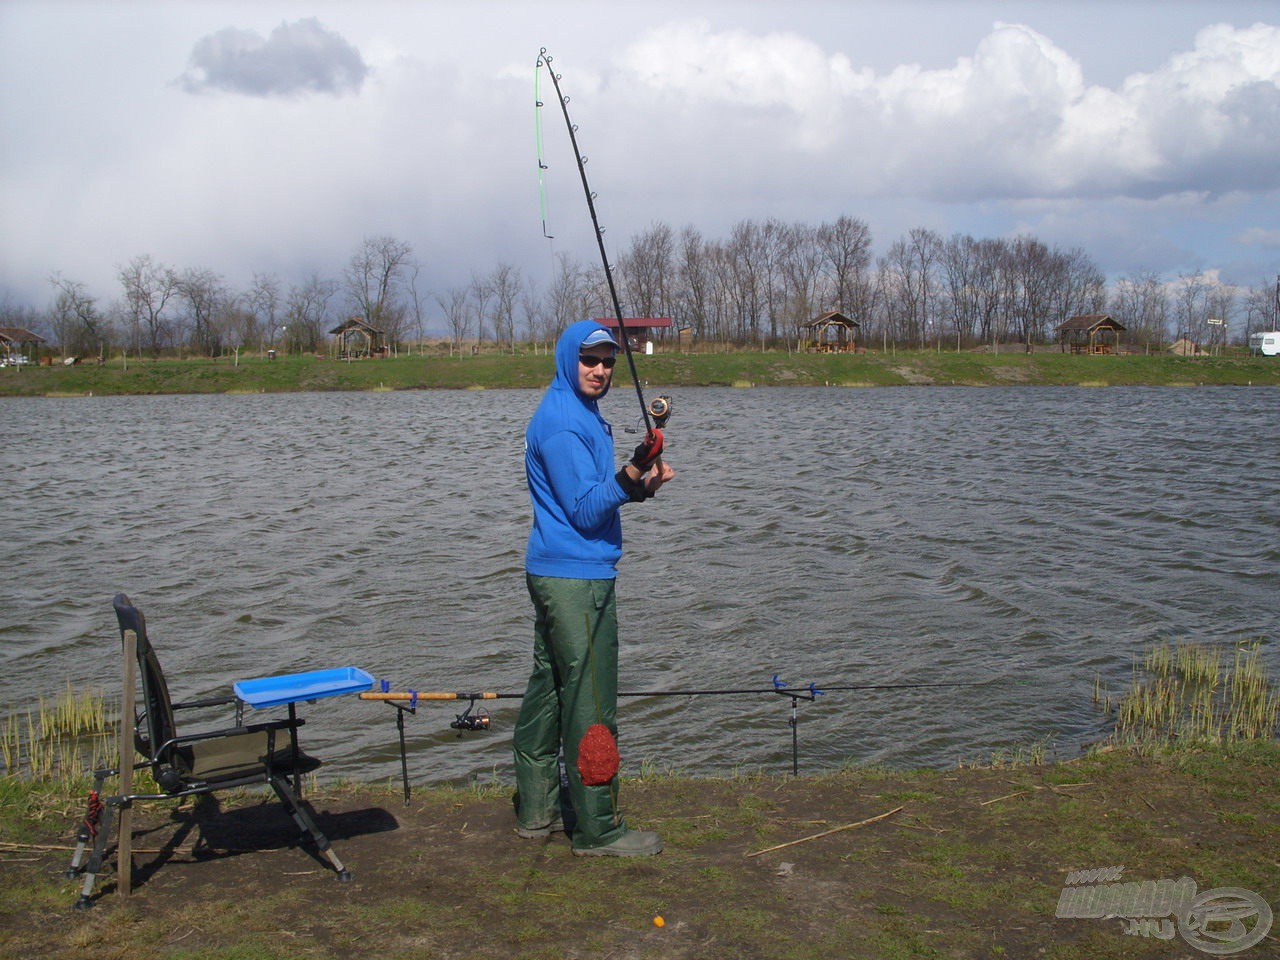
(407, 702)
(780, 687)
(646, 412)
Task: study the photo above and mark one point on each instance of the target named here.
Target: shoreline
(738, 369)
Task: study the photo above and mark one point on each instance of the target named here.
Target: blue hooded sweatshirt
(569, 463)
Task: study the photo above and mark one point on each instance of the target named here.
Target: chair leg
(99, 852)
(307, 825)
(88, 827)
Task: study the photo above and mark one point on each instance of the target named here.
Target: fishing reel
(659, 409)
(467, 720)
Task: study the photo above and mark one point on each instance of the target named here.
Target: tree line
(755, 287)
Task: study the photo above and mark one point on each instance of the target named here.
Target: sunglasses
(589, 361)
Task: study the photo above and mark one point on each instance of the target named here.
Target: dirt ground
(967, 863)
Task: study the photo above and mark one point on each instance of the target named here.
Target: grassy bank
(742, 368)
(967, 863)
(864, 862)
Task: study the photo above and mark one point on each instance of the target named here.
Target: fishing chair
(192, 764)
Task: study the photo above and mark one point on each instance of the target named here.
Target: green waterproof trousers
(574, 685)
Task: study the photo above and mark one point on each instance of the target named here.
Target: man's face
(593, 381)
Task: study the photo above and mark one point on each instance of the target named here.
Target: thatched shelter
(1090, 333)
(830, 332)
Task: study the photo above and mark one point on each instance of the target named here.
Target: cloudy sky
(272, 137)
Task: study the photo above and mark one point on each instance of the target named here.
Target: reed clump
(61, 738)
(1189, 693)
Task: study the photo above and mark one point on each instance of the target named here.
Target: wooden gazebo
(14, 339)
(830, 332)
(358, 338)
(1090, 333)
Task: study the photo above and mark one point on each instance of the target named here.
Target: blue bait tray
(291, 687)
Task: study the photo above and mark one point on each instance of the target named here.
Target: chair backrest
(155, 725)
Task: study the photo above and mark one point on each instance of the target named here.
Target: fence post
(124, 849)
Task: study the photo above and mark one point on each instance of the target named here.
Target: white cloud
(1259, 237)
(1015, 119)
(765, 72)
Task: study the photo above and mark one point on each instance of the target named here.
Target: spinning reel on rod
(659, 410)
(467, 720)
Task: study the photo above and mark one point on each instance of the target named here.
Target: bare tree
(754, 256)
(417, 305)
(1081, 288)
(504, 286)
(533, 309)
(1191, 306)
(566, 297)
(846, 254)
(203, 292)
(594, 297)
(375, 279)
(481, 294)
(1140, 302)
(148, 289)
(1262, 308)
(1031, 274)
(913, 264)
(693, 294)
(646, 269)
(237, 323)
(725, 316)
(774, 240)
(77, 324)
(457, 314)
(960, 262)
(262, 309)
(745, 266)
(800, 272)
(1221, 307)
(307, 314)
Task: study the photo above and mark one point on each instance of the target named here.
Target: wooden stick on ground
(1007, 796)
(20, 847)
(826, 833)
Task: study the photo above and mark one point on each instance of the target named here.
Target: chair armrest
(229, 732)
(210, 702)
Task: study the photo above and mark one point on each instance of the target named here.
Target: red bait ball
(598, 758)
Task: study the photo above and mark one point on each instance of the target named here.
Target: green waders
(574, 684)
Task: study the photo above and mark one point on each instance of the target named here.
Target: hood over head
(584, 333)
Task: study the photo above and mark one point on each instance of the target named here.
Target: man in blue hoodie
(570, 567)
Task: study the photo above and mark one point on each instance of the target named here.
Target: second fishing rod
(407, 701)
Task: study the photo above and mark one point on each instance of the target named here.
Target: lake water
(1035, 537)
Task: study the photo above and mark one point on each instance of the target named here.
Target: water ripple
(1027, 536)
